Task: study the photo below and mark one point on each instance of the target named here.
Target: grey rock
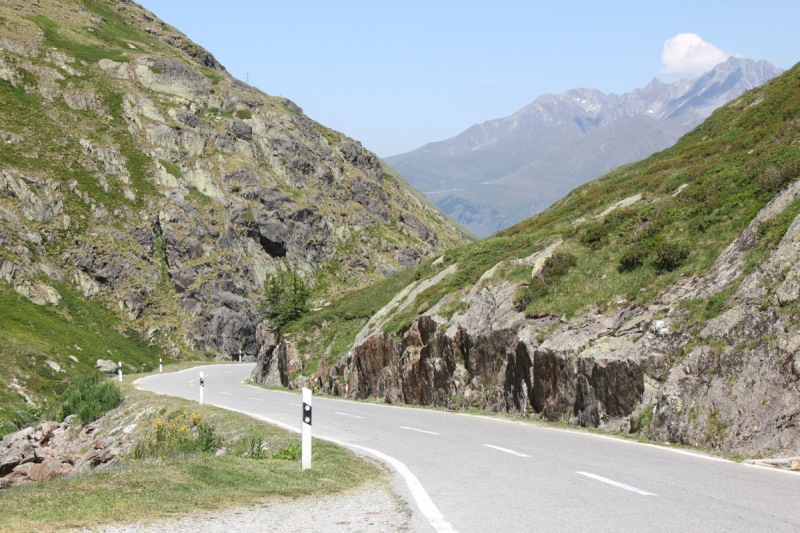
(106, 365)
(408, 258)
(241, 130)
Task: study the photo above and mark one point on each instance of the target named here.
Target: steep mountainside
(497, 173)
(661, 299)
(145, 195)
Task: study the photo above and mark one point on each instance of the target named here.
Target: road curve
(486, 474)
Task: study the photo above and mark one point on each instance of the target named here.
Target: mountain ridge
(435, 167)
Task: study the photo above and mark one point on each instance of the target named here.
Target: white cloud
(687, 54)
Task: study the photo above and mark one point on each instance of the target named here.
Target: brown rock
(49, 469)
(20, 453)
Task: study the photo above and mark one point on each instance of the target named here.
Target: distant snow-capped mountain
(499, 172)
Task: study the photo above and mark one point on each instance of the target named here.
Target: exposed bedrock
(497, 370)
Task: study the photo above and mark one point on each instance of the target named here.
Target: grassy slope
(732, 165)
(32, 334)
(156, 488)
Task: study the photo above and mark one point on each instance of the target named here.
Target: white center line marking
(616, 484)
(228, 372)
(347, 414)
(512, 452)
(418, 430)
(226, 393)
(257, 399)
(294, 404)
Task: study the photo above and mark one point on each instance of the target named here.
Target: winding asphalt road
(481, 474)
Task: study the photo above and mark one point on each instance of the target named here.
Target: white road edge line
(616, 484)
(424, 502)
(506, 450)
(348, 414)
(418, 430)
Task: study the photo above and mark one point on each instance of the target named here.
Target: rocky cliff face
(135, 170)
(661, 299)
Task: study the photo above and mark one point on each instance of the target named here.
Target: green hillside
(732, 165)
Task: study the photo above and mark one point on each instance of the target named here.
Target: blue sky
(396, 75)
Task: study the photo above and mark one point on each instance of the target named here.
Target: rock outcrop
(51, 450)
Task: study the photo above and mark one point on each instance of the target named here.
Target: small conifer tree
(287, 298)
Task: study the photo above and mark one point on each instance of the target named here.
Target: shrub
(525, 295)
(290, 453)
(642, 423)
(554, 268)
(89, 398)
(177, 432)
(244, 114)
(670, 255)
(256, 449)
(633, 258)
(595, 236)
(557, 265)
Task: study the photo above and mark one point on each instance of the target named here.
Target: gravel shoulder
(371, 507)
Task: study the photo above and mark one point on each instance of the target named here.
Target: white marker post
(160, 369)
(202, 385)
(306, 433)
(240, 356)
(120, 371)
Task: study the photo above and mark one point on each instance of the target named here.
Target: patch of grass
(111, 48)
(716, 429)
(645, 419)
(244, 114)
(171, 168)
(211, 75)
(199, 198)
(705, 309)
(334, 138)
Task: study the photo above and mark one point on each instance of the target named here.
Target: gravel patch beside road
(373, 507)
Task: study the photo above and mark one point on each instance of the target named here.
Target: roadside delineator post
(119, 367)
(202, 385)
(306, 431)
(160, 369)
